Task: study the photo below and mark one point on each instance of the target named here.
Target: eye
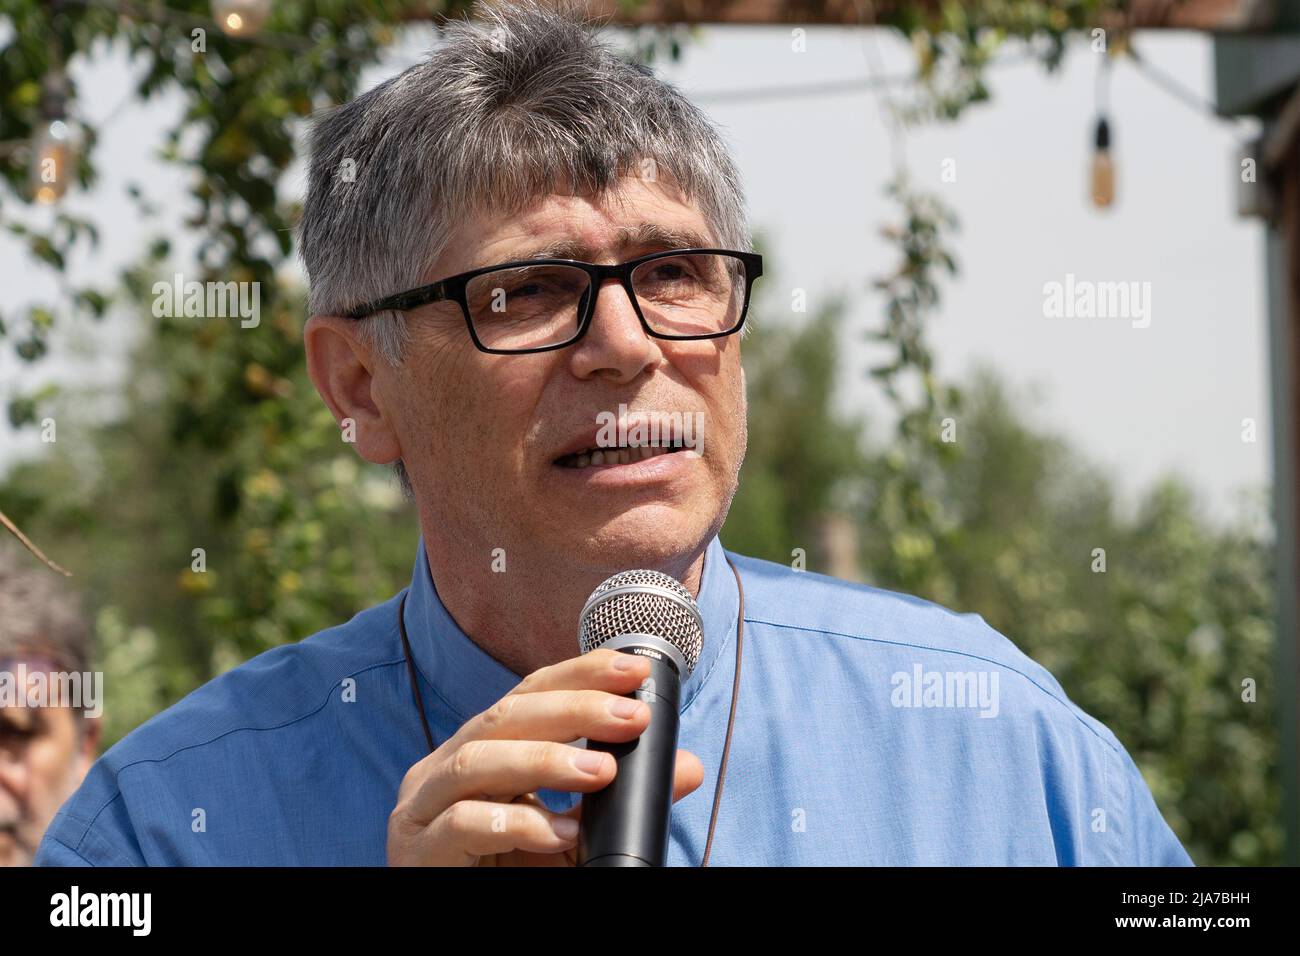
(524, 289)
(12, 732)
(671, 270)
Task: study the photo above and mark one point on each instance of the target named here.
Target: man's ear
(342, 368)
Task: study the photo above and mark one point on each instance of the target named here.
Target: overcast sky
(1141, 401)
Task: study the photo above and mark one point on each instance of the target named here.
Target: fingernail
(625, 662)
(625, 707)
(566, 828)
(590, 761)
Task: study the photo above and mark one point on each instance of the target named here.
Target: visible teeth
(624, 455)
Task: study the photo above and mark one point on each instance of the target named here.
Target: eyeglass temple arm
(437, 292)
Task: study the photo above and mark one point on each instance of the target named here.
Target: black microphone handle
(626, 823)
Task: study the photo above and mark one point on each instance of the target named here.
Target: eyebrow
(640, 236)
(22, 719)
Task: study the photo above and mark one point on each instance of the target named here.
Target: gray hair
(40, 618)
(505, 111)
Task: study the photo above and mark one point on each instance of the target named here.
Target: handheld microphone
(650, 614)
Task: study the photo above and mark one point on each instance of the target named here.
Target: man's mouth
(622, 455)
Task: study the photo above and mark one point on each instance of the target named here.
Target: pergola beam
(1217, 16)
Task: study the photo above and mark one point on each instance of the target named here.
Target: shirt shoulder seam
(117, 790)
(280, 726)
(942, 650)
(73, 850)
(117, 795)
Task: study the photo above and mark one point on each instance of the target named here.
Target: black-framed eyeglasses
(536, 305)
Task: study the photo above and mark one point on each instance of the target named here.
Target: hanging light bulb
(1103, 167)
(52, 162)
(52, 153)
(1102, 173)
(240, 18)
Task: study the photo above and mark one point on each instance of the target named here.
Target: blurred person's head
(519, 134)
(45, 750)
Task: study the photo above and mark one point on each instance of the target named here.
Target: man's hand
(472, 802)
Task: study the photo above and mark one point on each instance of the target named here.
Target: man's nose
(616, 345)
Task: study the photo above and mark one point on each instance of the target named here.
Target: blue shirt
(872, 728)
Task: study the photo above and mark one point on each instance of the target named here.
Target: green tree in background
(803, 460)
(1156, 646)
(224, 446)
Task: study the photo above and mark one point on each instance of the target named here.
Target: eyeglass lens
(534, 306)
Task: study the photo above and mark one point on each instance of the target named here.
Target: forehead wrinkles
(642, 235)
(592, 241)
(657, 207)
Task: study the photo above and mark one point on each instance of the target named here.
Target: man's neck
(526, 616)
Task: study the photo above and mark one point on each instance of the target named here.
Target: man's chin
(657, 535)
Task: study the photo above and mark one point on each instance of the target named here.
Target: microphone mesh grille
(643, 610)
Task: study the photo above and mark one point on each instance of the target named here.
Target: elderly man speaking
(529, 266)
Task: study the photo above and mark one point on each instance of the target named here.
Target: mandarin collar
(469, 680)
